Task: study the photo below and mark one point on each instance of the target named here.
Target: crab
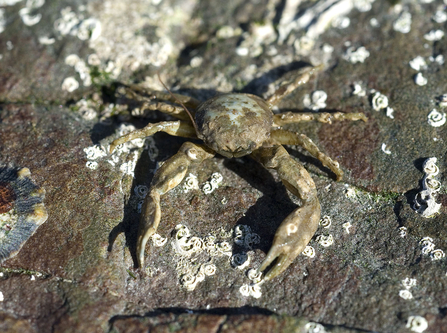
(235, 125)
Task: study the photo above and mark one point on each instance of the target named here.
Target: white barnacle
(209, 269)
(27, 18)
(245, 290)
(191, 182)
(434, 35)
(356, 55)
(254, 275)
(316, 101)
(417, 324)
(347, 225)
(309, 251)
(70, 84)
(207, 188)
(436, 118)
(358, 90)
(255, 290)
(2, 298)
(72, 59)
(427, 245)
(379, 101)
(224, 248)
(240, 260)
(141, 191)
(389, 112)
(418, 63)
(402, 232)
(159, 240)
(311, 327)
(92, 165)
(216, 179)
(408, 283)
(403, 23)
(431, 184)
(385, 150)
(420, 80)
(440, 16)
(350, 192)
(325, 240)
(405, 294)
(95, 152)
(326, 221)
(437, 254)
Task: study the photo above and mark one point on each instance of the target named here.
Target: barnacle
(141, 191)
(402, 232)
(417, 324)
(21, 209)
(325, 240)
(253, 289)
(379, 101)
(309, 251)
(158, 240)
(420, 80)
(326, 221)
(254, 275)
(316, 101)
(216, 180)
(190, 183)
(436, 118)
(425, 201)
(356, 55)
(405, 294)
(240, 260)
(311, 327)
(408, 283)
(437, 254)
(347, 225)
(403, 23)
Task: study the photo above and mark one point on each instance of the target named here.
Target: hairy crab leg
(176, 128)
(168, 176)
(296, 231)
(190, 102)
(287, 87)
(322, 117)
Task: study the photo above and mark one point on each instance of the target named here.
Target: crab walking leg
(187, 100)
(176, 128)
(168, 176)
(298, 228)
(322, 117)
(152, 101)
(286, 88)
(285, 137)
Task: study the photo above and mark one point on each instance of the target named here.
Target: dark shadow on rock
(271, 209)
(309, 159)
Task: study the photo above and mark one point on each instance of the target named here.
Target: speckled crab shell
(234, 124)
(21, 209)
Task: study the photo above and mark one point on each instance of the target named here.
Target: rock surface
(77, 272)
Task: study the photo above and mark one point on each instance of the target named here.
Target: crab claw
(149, 221)
(292, 237)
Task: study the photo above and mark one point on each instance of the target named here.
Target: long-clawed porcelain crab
(235, 125)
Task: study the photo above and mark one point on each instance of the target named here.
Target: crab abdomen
(234, 124)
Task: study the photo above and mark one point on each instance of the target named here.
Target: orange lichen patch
(7, 197)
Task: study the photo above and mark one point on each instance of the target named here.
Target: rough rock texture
(77, 272)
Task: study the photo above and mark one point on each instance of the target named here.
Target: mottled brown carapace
(7, 197)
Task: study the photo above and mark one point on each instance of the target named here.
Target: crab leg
(176, 128)
(287, 87)
(322, 117)
(168, 176)
(298, 228)
(285, 137)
